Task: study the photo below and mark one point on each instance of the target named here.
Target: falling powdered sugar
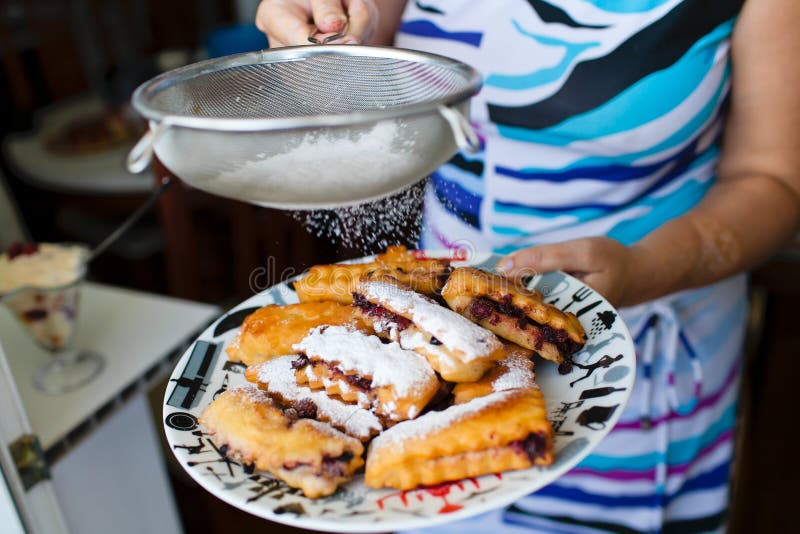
(372, 226)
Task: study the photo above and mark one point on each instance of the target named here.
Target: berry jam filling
(21, 249)
(334, 466)
(559, 338)
(289, 466)
(507, 308)
(379, 312)
(302, 409)
(483, 307)
(363, 384)
(360, 382)
(300, 362)
(534, 445)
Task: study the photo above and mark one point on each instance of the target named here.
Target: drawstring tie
(661, 334)
(663, 326)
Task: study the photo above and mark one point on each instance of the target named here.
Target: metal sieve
(310, 126)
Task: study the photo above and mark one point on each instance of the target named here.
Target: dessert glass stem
(67, 370)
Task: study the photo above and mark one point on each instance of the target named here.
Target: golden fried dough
(514, 313)
(504, 430)
(304, 453)
(272, 330)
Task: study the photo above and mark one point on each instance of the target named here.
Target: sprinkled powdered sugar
(413, 339)
(252, 394)
(372, 226)
(351, 350)
(280, 377)
(312, 375)
(518, 374)
(324, 167)
(431, 422)
(454, 331)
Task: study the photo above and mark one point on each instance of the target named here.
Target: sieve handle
(466, 138)
(141, 154)
(315, 33)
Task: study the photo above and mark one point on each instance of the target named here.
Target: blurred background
(67, 71)
(68, 68)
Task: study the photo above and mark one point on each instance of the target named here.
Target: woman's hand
(604, 264)
(290, 22)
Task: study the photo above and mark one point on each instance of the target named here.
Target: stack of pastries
(418, 371)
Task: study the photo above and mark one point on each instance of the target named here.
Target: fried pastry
(515, 371)
(277, 379)
(304, 453)
(514, 313)
(396, 254)
(458, 349)
(394, 383)
(337, 282)
(272, 330)
(504, 430)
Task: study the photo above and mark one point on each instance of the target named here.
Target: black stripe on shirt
(553, 14)
(594, 82)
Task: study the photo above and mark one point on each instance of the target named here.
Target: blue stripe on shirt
(711, 479)
(425, 28)
(680, 451)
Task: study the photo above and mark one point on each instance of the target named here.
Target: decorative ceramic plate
(583, 406)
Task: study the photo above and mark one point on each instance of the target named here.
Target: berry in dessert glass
(40, 285)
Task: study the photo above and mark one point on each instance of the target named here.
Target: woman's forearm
(738, 225)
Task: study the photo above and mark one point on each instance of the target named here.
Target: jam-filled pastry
(272, 330)
(504, 430)
(514, 313)
(515, 371)
(277, 379)
(394, 383)
(396, 254)
(304, 453)
(337, 282)
(456, 348)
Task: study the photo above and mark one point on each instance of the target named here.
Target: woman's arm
(753, 208)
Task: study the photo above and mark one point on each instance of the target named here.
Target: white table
(134, 331)
(108, 472)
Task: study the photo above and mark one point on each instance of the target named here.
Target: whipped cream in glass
(42, 266)
(40, 285)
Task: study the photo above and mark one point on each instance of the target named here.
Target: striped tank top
(603, 117)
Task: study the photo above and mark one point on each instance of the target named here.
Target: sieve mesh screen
(315, 85)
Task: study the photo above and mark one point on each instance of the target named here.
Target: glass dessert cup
(49, 315)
